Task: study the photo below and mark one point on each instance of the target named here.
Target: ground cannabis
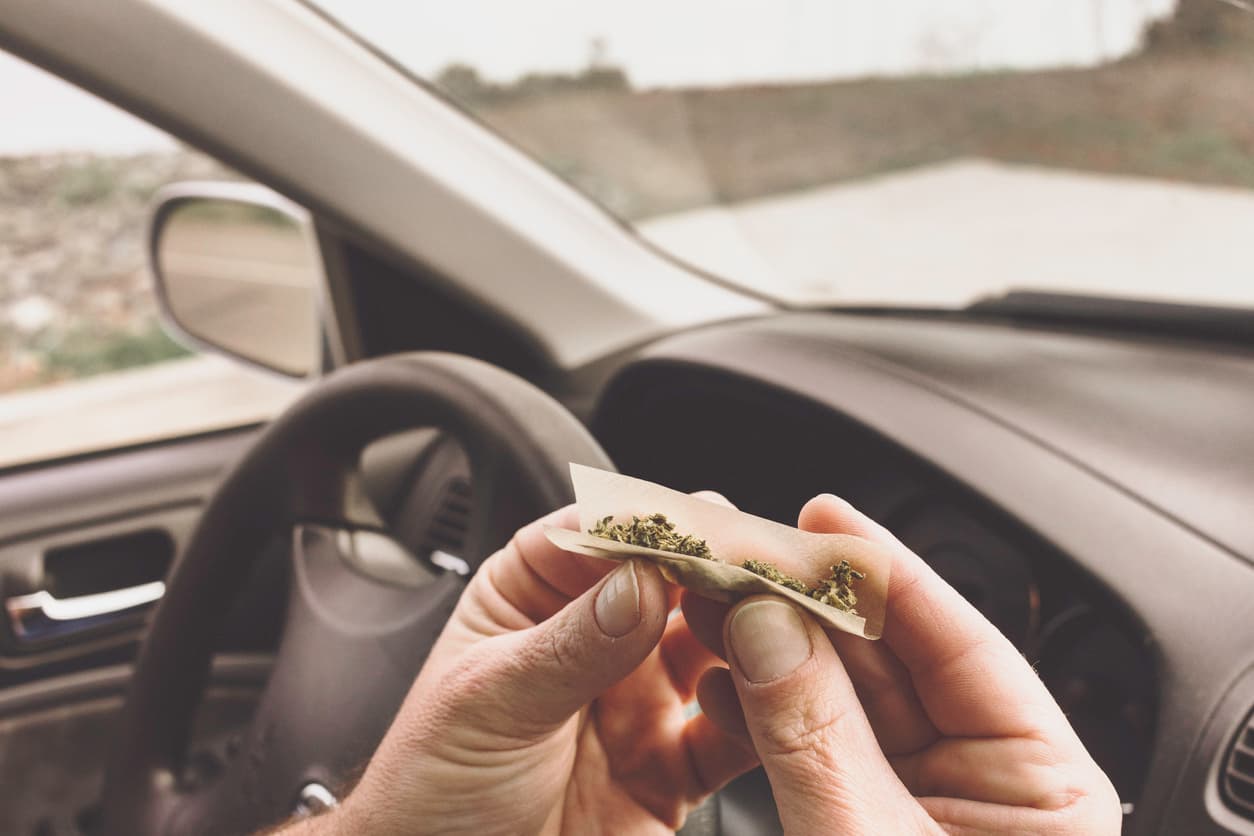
(652, 532)
(657, 532)
(766, 570)
(835, 591)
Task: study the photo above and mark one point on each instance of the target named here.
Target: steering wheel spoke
(361, 609)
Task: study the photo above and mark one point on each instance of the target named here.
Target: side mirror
(237, 270)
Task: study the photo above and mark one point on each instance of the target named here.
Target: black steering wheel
(359, 624)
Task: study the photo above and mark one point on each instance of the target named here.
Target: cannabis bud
(835, 591)
(766, 570)
(652, 532)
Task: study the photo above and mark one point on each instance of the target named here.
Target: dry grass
(1170, 113)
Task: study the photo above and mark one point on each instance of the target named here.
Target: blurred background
(792, 147)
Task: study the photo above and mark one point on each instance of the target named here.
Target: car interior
(1078, 467)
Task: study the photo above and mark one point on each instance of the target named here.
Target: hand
(940, 726)
(553, 701)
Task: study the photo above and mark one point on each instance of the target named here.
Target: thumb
(526, 683)
(825, 766)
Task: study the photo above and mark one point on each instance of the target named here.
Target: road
(945, 234)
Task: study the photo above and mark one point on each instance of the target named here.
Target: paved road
(945, 234)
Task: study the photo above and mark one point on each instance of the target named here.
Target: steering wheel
(361, 617)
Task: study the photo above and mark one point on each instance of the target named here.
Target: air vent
(446, 533)
(1238, 774)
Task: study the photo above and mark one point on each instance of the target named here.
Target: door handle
(39, 615)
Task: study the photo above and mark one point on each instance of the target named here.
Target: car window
(85, 364)
(845, 152)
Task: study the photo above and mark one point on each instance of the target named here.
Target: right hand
(939, 727)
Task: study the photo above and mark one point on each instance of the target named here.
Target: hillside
(1181, 114)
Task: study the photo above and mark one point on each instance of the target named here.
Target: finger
(526, 683)
(685, 657)
(534, 577)
(1097, 812)
(709, 496)
(1016, 771)
(716, 756)
(705, 619)
(807, 726)
(715, 497)
(880, 679)
(970, 680)
(570, 574)
(834, 516)
(716, 694)
(671, 765)
(887, 694)
(663, 682)
(830, 514)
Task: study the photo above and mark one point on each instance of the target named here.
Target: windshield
(844, 152)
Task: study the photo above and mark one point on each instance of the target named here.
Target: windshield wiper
(1137, 316)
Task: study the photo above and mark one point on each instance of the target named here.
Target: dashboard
(1090, 495)
(1040, 494)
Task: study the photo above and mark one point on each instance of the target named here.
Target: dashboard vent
(446, 533)
(1238, 773)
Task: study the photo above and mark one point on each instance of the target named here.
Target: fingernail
(769, 640)
(618, 603)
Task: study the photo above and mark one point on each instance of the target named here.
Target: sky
(657, 42)
(698, 42)
(43, 113)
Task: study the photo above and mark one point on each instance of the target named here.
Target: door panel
(77, 528)
(85, 587)
(55, 735)
(94, 489)
(73, 532)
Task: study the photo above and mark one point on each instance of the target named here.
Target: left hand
(552, 702)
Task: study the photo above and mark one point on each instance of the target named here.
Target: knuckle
(805, 731)
(471, 675)
(563, 646)
(476, 695)
(1058, 782)
(553, 645)
(1088, 803)
(1075, 798)
(457, 693)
